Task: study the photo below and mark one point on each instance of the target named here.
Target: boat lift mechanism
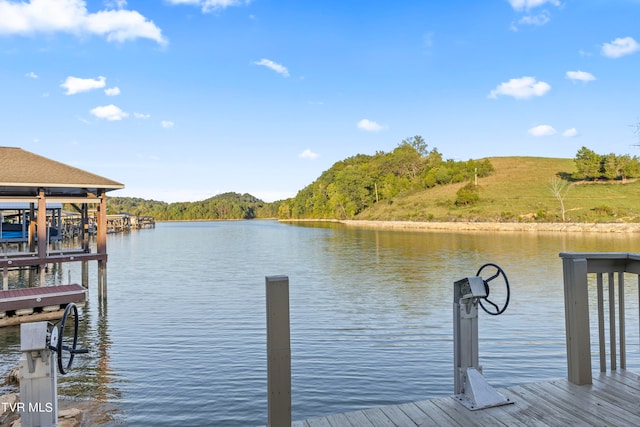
(471, 388)
(42, 349)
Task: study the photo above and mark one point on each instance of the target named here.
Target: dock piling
(278, 352)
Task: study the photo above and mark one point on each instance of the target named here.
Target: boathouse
(35, 188)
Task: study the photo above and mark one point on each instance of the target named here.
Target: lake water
(182, 340)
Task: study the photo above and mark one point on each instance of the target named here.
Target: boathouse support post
(278, 352)
(32, 228)
(576, 305)
(102, 279)
(42, 236)
(84, 274)
(5, 278)
(84, 215)
(32, 243)
(102, 245)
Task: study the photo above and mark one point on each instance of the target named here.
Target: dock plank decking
(612, 400)
(17, 299)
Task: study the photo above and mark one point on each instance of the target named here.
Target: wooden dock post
(576, 305)
(102, 245)
(85, 274)
(102, 280)
(278, 352)
(41, 218)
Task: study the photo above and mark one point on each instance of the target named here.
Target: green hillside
(519, 190)
(412, 183)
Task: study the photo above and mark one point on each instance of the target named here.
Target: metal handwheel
(57, 340)
(498, 272)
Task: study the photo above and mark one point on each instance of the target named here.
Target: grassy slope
(518, 191)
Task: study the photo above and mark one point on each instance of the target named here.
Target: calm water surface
(181, 340)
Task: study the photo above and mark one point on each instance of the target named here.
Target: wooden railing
(576, 268)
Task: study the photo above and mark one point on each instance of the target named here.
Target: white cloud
(211, 5)
(280, 69)
(522, 88)
(167, 124)
(112, 91)
(570, 133)
(520, 5)
(31, 75)
(116, 4)
(190, 2)
(308, 154)
(109, 112)
(542, 130)
(581, 76)
(75, 85)
(141, 116)
(72, 17)
(538, 20)
(620, 47)
(370, 126)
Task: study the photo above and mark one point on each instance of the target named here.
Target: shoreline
(573, 227)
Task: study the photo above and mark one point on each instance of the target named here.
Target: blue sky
(184, 99)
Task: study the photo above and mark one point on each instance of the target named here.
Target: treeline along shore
(415, 184)
(482, 226)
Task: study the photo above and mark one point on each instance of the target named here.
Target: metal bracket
(471, 287)
(478, 393)
(31, 363)
(468, 309)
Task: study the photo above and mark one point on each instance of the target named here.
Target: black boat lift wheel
(57, 339)
(499, 272)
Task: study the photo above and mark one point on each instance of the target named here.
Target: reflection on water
(89, 384)
(181, 339)
(91, 378)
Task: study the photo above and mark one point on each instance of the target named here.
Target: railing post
(601, 340)
(278, 352)
(576, 306)
(622, 330)
(612, 321)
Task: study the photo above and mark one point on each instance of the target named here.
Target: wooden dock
(40, 303)
(612, 400)
(608, 398)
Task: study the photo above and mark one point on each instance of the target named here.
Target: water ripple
(182, 340)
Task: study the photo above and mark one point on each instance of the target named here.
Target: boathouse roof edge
(23, 173)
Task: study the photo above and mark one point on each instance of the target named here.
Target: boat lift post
(42, 345)
(471, 388)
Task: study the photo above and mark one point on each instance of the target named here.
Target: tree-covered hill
(351, 186)
(414, 183)
(222, 206)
